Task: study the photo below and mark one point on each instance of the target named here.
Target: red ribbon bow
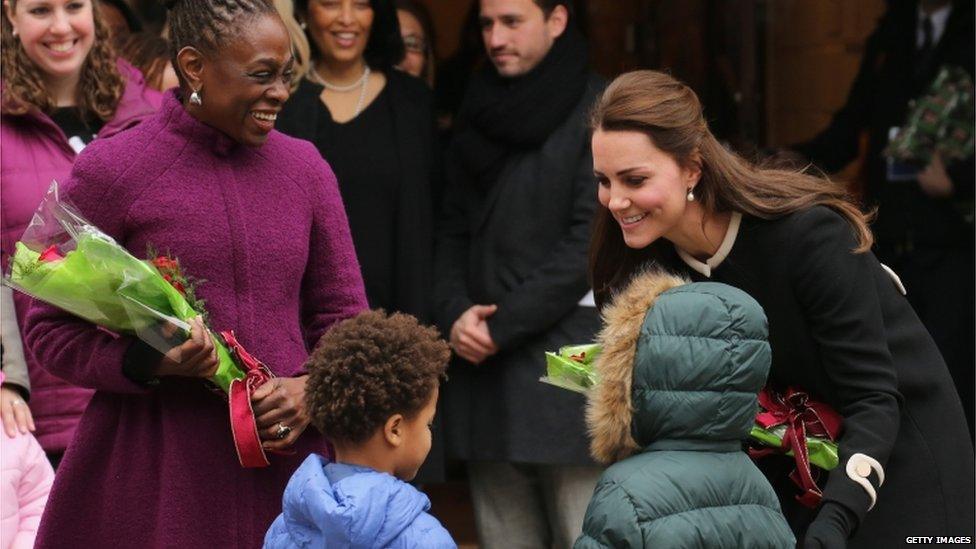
(242, 422)
(802, 416)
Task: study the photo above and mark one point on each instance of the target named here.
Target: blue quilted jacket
(679, 373)
(335, 505)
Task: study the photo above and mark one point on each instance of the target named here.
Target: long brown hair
(669, 113)
(99, 88)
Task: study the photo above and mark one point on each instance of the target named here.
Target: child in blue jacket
(372, 390)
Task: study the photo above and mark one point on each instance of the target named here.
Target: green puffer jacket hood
(679, 373)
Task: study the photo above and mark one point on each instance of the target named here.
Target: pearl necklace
(334, 87)
(361, 84)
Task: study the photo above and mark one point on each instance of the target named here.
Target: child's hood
(680, 368)
(349, 505)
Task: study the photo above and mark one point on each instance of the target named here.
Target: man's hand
(934, 179)
(470, 337)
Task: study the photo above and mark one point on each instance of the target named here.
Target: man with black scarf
(511, 274)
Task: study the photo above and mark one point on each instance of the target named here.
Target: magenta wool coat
(265, 227)
(35, 151)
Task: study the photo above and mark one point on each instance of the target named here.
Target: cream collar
(713, 262)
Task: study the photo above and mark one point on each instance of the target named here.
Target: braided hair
(205, 24)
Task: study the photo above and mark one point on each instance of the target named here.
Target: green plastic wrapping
(101, 282)
(572, 367)
(821, 452)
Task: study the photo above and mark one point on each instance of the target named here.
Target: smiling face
(245, 83)
(56, 35)
(643, 187)
(340, 28)
(518, 35)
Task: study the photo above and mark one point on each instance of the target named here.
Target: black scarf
(500, 116)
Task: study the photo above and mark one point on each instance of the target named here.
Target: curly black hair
(371, 367)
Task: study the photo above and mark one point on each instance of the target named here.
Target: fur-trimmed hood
(680, 367)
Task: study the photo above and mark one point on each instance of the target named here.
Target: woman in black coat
(840, 327)
(375, 127)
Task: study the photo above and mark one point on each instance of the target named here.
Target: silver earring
(195, 99)
(691, 195)
(302, 25)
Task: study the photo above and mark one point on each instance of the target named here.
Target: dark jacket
(840, 329)
(890, 75)
(522, 245)
(679, 372)
(416, 149)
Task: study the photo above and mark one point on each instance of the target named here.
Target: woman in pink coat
(62, 88)
(258, 216)
(25, 480)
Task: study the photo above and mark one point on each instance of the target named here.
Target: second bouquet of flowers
(64, 260)
(789, 422)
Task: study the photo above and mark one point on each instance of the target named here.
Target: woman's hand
(15, 413)
(279, 410)
(831, 528)
(196, 357)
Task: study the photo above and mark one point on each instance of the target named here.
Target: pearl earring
(691, 194)
(195, 99)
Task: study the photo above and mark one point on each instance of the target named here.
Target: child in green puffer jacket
(679, 373)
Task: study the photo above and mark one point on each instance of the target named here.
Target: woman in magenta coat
(53, 104)
(255, 214)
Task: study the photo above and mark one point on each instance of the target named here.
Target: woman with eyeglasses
(417, 31)
(374, 125)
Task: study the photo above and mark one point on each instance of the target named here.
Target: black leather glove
(831, 528)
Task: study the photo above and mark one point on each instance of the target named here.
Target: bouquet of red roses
(64, 260)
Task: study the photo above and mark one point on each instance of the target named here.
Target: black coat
(522, 245)
(840, 329)
(418, 156)
(927, 240)
(890, 76)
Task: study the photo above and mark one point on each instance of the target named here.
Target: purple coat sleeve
(332, 288)
(65, 345)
